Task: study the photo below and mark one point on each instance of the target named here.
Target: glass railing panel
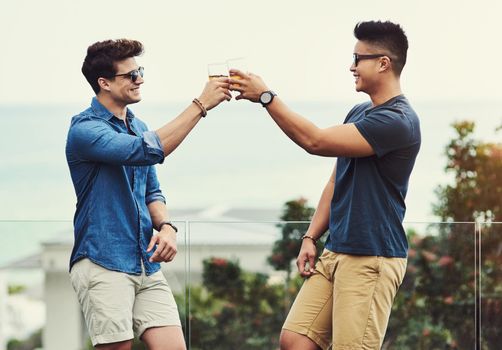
(434, 309)
(38, 306)
(176, 273)
(435, 306)
(34, 284)
(242, 282)
(232, 286)
(490, 283)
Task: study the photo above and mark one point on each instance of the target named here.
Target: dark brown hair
(387, 36)
(102, 56)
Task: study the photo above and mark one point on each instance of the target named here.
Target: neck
(119, 110)
(385, 92)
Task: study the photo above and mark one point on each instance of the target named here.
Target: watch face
(266, 97)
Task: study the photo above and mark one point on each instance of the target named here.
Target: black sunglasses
(134, 74)
(358, 57)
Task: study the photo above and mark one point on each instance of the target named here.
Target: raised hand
(249, 85)
(215, 92)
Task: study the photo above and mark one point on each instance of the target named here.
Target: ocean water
(235, 157)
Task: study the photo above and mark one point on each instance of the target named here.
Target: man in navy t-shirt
(347, 298)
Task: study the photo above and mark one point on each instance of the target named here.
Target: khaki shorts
(347, 302)
(117, 305)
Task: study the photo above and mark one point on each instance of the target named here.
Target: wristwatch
(166, 222)
(266, 97)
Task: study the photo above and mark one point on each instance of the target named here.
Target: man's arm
(342, 140)
(317, 227)
(166, 239)
(94, 140)
(336, 141)
(173, 133)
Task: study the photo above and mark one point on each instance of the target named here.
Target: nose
(352, 67)
(139, 80)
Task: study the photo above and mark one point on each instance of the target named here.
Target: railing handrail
(252, 221)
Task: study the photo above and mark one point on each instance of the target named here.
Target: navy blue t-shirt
(367, 208)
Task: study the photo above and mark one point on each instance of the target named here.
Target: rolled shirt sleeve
(153, 192)
(94, 140)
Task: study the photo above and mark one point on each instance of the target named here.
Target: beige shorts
(347, 302)
(117, 305)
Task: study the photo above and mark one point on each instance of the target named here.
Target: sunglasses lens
(136, 73)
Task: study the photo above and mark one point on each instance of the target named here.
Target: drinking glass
(217, 70)
(237, 63)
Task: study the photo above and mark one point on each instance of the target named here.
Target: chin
(135, 100)
(360, 88)
(357, 86)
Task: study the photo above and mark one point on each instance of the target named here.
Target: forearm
(300, 130)
(163, 244)
(174, 132)
(320, 220)
(158, 213)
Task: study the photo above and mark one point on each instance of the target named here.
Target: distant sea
(235, 157)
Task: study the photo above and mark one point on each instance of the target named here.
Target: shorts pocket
(80, 277)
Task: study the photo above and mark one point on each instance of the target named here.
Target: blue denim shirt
(113, 173)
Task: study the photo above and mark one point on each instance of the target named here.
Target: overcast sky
(301, 48)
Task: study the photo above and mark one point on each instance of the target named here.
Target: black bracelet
(167, 222)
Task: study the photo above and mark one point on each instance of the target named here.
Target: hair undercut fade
(387, 36)
(102, 56)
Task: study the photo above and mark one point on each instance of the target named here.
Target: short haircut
(387, 36)
(102, 56)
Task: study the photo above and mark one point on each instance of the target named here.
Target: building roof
(217, 225)
(32, 261)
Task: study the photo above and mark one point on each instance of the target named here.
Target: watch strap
(167, 222)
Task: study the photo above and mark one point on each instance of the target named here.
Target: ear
(104, 84)
(384, 64)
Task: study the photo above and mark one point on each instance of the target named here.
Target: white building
(22, 313)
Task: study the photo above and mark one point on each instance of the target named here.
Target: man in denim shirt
(115, 262)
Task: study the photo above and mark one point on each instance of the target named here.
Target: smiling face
(368, 72)
(122, 90)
